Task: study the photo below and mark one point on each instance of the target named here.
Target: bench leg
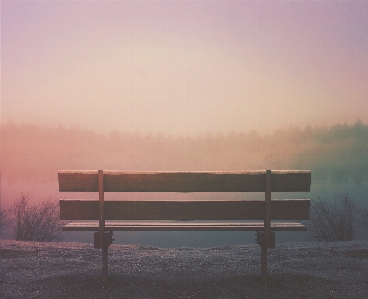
(264, 263)
(105, 274)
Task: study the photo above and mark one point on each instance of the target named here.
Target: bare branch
(333, 222)
(38, 222)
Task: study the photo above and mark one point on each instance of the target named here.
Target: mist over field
(32, 155)
(253, 74)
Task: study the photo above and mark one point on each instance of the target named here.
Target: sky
(184, 67)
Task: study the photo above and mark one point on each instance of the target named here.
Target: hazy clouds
(184, 66)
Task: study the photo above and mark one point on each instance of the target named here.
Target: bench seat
(182, 226)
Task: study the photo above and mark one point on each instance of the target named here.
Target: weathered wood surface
(268, 208)
(183, 226)
(285, 209)
(117, 181)
(101, 208)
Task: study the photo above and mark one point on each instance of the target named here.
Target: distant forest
(336, 153)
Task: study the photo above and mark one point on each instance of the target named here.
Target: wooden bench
(185, 215)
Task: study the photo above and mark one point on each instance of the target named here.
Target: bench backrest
(117, 181)
(254, 181)
(287, 209)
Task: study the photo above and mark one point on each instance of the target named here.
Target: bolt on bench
(185, 215)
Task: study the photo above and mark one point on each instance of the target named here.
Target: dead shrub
(330, 222)
(37, 222)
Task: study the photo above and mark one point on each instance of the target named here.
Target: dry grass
(71, 270)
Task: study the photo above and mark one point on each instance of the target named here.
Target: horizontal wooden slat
(286, 209)
(117, 181)
(184, 226)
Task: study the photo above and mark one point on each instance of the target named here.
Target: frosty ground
(72, 270)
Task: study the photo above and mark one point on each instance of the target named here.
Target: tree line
(338, 152)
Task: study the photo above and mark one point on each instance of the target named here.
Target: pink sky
(182, 67)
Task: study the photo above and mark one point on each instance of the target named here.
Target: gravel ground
(72, 270)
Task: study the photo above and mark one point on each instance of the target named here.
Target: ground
(72, 270)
